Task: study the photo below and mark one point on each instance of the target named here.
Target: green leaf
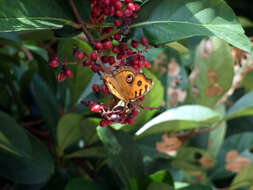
(244, 177)
(17, 15)
(216, 136)
(163, 176)
(211, 81)
(37, 168)
(13, 138)
(82, 75)
(197, 187)
(80, 183)
(242, 107)
(68, 130)
(180, 118)
(96, 152)
(160, 186)
(125, 156)
(47, 103)
(241, 143)
(163, 21)
(88, 130)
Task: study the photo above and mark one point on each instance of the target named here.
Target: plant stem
(87, 33)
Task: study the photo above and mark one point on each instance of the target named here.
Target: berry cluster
(111, 51)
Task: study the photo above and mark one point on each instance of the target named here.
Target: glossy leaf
(17, 15)
(163, 21)
(242, 107)
(82, 75)
(47, 103)
(210, 82)
(95, 152)
(68, 130)
(162, 176)
(88, 130)
(34, 169)
(180, 118)
(125, 156)
(197, 187)
(13, 138)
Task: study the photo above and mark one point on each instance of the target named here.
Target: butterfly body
(126, 85)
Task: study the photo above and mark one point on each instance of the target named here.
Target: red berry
(99, 46)
(104, 89)
(128, 13)
(141, 63)
(80, 55)
(144, 41)
(91, 103)
(107, 45)
(96, 108)
(129, 52)
(118, 5)
(128, 1)
(95, 87)
(87, 63)
(111, 59)
(119, 13)
(135, 112)
(115, 49)
(137, 6)
(106, 2)
(54, 63)
(69, 73)
(117, 22)
(106, 11)
(104, 122)
(94, 56)
(131, 6)
(94, 68)
(131, 121)
(147, 64)
(117, 36)
(141, 98)
(134, 44)
(62, 76)
(112, 10)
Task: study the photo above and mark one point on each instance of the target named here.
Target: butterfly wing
(141, 86)
(117, 83)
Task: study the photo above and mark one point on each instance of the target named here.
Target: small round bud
(99, 46)
(96, 108)
(54, 63)
(80, 55)
(107, 45)
(61, 76)
(134, 44)
(94, 56)
(144, 41)
(69, 73)
(95, 87)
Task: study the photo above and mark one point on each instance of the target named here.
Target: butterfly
(126, 85)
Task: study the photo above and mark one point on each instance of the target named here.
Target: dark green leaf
(88, 130)
(162, 176)
(95, 152)
(242, 107)
(13, 138)
(160, 186)
(163, 21)
(82, 184)
(47, 103)
(68, 130)
(210, 80)
(180, 118)
(125, 156)
(19, 15)
(37, 168)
